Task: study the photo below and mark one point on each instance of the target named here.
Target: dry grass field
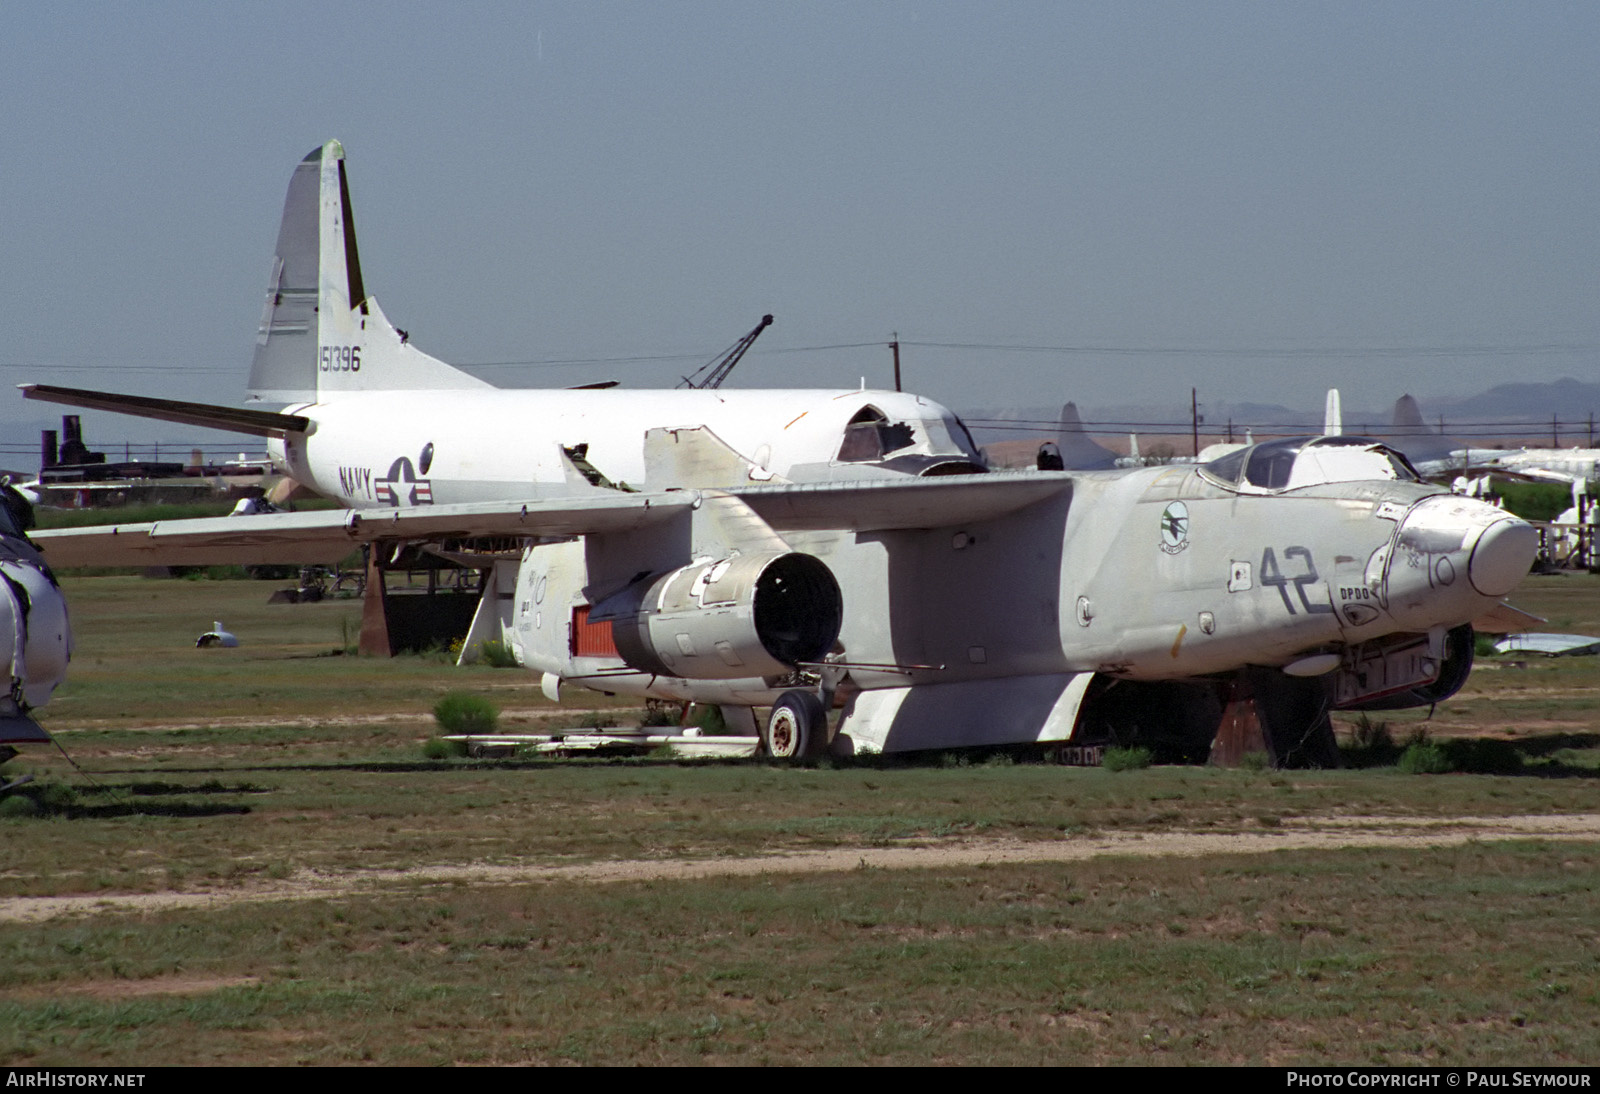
(248, 859)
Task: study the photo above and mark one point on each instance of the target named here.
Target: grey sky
(1275, 195)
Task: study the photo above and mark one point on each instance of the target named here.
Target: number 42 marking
(1272, 575)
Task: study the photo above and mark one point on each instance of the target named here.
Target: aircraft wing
(329, 535)
(882, 505)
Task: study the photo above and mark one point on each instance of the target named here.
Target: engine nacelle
(732, 618)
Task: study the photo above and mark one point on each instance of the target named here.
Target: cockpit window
(1227, 468)
(872, 436)
(1270, 465)
(1296, 462)
(963, 437)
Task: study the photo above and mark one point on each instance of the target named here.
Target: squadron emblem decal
(1174, 528)
(403, 486)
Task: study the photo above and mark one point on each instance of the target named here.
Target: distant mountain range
(1568, 399)
(1531, 405)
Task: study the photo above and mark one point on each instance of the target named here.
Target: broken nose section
(1501, 557)
(1444, 539)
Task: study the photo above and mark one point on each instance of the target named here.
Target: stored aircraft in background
(801, 550)
(1567, 465)
(1436, 455)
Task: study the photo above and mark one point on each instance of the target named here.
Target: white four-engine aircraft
(800, 550)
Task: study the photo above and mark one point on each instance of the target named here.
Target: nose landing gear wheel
(797, 728)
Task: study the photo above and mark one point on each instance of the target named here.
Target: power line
(1085, 349)
(1483, 350)
(1478, 425)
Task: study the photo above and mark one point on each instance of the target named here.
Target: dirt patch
(419, 715)
(133, 989)
(1295, 834)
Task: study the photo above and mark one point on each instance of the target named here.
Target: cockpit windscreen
(1296, 462)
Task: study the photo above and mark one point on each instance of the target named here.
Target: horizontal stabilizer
(259, 423)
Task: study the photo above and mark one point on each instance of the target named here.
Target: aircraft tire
(797, 728)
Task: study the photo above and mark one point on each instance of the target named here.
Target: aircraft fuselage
(402, 449)
(1156, 574)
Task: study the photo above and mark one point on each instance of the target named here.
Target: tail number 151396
(340, 359)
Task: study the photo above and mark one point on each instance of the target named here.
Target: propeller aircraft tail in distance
(809, 551)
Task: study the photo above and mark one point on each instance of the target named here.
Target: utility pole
(895, 345)
(1194, 414)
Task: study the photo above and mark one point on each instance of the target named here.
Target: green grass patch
(436, 748)
(1425, 758)
(466, 712)
(1127, 759)
(499, 655)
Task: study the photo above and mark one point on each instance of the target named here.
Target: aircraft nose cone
(1502, 556)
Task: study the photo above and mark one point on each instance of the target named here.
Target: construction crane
(713, 373)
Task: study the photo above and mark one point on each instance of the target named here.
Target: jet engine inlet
(733, 618)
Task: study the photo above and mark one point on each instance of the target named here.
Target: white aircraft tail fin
(1332, 415)
(320, 331)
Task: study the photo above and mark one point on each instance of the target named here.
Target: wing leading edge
(326, 536)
